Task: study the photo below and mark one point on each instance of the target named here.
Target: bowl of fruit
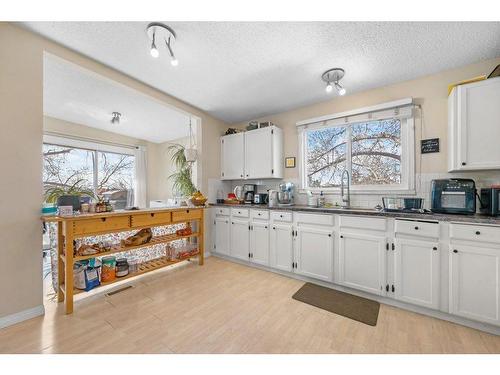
(198, 199)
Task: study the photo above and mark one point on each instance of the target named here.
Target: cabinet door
(232, 156)
(240, 239)
(314, 255)
(259, 243)
(416, 272)
(281, 247)
(474, 283)
(362, 262)
(478, 116)
(259, 153)
(222, 235)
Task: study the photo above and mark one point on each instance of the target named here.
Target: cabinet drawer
(185, 215)
(417, 228)
(471, 232)
(222, 211)
(153, 218)
(240, 212)
(259, 214)
(103, 224)
(281, 216)
(363, 222)
(315, 219)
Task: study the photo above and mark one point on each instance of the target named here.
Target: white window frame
(407, 185)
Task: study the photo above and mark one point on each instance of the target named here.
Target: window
(376, 149)
(107, 174)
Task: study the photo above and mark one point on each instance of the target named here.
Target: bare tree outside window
(108, 174)
(375, 154)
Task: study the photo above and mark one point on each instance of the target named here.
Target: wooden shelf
(149, 266)
(157, 240)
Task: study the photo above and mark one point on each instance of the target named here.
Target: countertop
(55, 218)
(476, 218)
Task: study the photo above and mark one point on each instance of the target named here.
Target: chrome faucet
(346, 199)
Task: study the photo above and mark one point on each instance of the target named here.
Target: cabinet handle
(434, 248)
(281, 216)
(464, 163)
(152, 215)
(455, 251)
(329, 234)
(241, 175)
(478, 233)
(187, 211)
(232, 222)
(258, 214)
(416, 228)
(103, 218)
(265, 227)
(247, 175)
(274, 228)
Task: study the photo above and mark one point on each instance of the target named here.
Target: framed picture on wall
(290, 162)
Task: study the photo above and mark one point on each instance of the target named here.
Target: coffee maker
(249, 191)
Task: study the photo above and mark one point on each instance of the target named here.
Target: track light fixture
(157, 31)
(332, 78)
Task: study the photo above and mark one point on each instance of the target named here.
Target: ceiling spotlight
(332, 78)
(159, 31)
(115, 117)
(154, 51)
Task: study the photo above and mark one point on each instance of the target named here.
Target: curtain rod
(87, 139)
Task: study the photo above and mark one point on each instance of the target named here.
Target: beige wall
(430, 92)
(21, 88)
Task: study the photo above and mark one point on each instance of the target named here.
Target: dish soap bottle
(321, 199)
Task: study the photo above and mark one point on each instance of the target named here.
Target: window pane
(67, 166)
(115, 178)
(326, 156)
(376, 152)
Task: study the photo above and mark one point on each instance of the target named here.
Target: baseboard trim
(21, 316)
(385, 300)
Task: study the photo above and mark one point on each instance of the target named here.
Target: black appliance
(490, 201)
(453, 196)
(249, 191)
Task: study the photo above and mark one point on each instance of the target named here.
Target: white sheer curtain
(140, 189)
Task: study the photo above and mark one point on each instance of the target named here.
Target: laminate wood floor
(225, 307)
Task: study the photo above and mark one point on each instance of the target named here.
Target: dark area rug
(357, 308)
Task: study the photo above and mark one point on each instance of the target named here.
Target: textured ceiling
(77, 95)
(237, 71)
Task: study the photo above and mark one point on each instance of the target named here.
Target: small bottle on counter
(321, 199)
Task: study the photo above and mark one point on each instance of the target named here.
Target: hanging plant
(182, 182)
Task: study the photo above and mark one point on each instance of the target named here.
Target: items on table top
(122, 267)
(140, 238)
(108, 269)
(184, 231)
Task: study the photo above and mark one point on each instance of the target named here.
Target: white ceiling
(237, 71)
(77, 95)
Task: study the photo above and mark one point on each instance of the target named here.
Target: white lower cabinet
(281, 246)
(259, 242)
(416, 272)
(314, 253)
(474, 282)
(240, 238)
(363, 262)
(222, 235)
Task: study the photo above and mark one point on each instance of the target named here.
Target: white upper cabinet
(253, 154)
(314, 252)
(475, 288)
(474, 126)
(232, 156)
(416, 272)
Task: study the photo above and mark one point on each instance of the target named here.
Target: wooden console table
(69, 228)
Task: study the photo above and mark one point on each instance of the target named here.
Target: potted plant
(182, 183)
(68, 195)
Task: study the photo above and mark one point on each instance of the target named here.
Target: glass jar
(108, 269)
(122, 267)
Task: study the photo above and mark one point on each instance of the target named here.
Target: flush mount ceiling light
(158, 32)
(115, 117)
(332, 78)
